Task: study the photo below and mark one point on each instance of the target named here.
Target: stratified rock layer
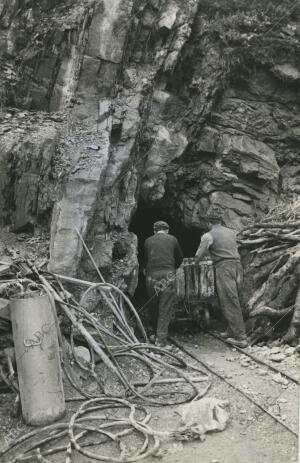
(165, 102)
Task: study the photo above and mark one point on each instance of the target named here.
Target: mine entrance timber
(142, 225)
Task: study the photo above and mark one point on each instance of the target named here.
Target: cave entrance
(142, 226)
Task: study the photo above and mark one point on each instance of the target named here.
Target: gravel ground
(251, 435)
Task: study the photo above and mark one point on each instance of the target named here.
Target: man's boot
(242, 343)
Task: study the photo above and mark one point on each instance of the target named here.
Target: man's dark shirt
(163, 254)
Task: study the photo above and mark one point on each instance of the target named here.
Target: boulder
(75, 208)
(108, 29)
(287, 71)
(248, 156)
(279, 357)
(168, 17)
(227, 201)
(167, 147)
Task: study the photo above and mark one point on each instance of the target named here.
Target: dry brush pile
(274, 246)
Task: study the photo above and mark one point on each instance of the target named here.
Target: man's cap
(161, 225)
(215, 213)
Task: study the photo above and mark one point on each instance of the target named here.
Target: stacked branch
(274, 245)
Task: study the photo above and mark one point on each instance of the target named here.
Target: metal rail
(254, 358)
(237, 388)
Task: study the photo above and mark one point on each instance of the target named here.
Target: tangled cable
(114, 351)
(161, 366)
(110, 425)
(154, 361)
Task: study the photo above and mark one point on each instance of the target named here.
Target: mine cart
(195, 288)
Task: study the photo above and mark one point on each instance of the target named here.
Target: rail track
(255, 359)
(236, 387)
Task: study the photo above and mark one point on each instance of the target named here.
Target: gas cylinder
(37, 357)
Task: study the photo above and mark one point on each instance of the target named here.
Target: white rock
(289, 351)
(83, 353)
(278, 357)
(287, 71)
(280, 379)
(262, 372)
(168, 17)
(161, 97)
(282, 400)
(275, 350)
(244, 364)
(93, 147)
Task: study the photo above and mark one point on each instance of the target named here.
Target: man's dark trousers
(229, 280)
(161, 293)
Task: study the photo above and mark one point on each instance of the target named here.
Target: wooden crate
(195, 281)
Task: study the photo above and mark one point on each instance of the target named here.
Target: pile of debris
(21, 122)
(274, 246)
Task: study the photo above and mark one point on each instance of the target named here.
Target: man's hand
(203, 250)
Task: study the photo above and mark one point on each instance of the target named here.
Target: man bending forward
(220, 243)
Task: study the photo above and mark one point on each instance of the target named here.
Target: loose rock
(277, 357)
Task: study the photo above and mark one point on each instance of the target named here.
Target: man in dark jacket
(220, 243)
(162, 257)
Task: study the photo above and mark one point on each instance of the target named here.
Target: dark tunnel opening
(142, 225)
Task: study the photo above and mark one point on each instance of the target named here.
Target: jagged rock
(27, 172)
(289, 351)
(275, 350)
(168, 17)
(149, 86)
(74, 210)
(167, 147)
(280, 379)
(227, 201)
(248, 156)
(287, 72)
(105, 39)
(279, 357)
(161, 97)
(208, 142)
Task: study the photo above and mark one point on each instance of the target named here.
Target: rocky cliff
(108, 107)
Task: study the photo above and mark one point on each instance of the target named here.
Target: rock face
(28, 169)
(162, 102)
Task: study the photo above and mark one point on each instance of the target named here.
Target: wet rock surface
(155, 105)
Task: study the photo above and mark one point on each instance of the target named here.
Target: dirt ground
(251, 435)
